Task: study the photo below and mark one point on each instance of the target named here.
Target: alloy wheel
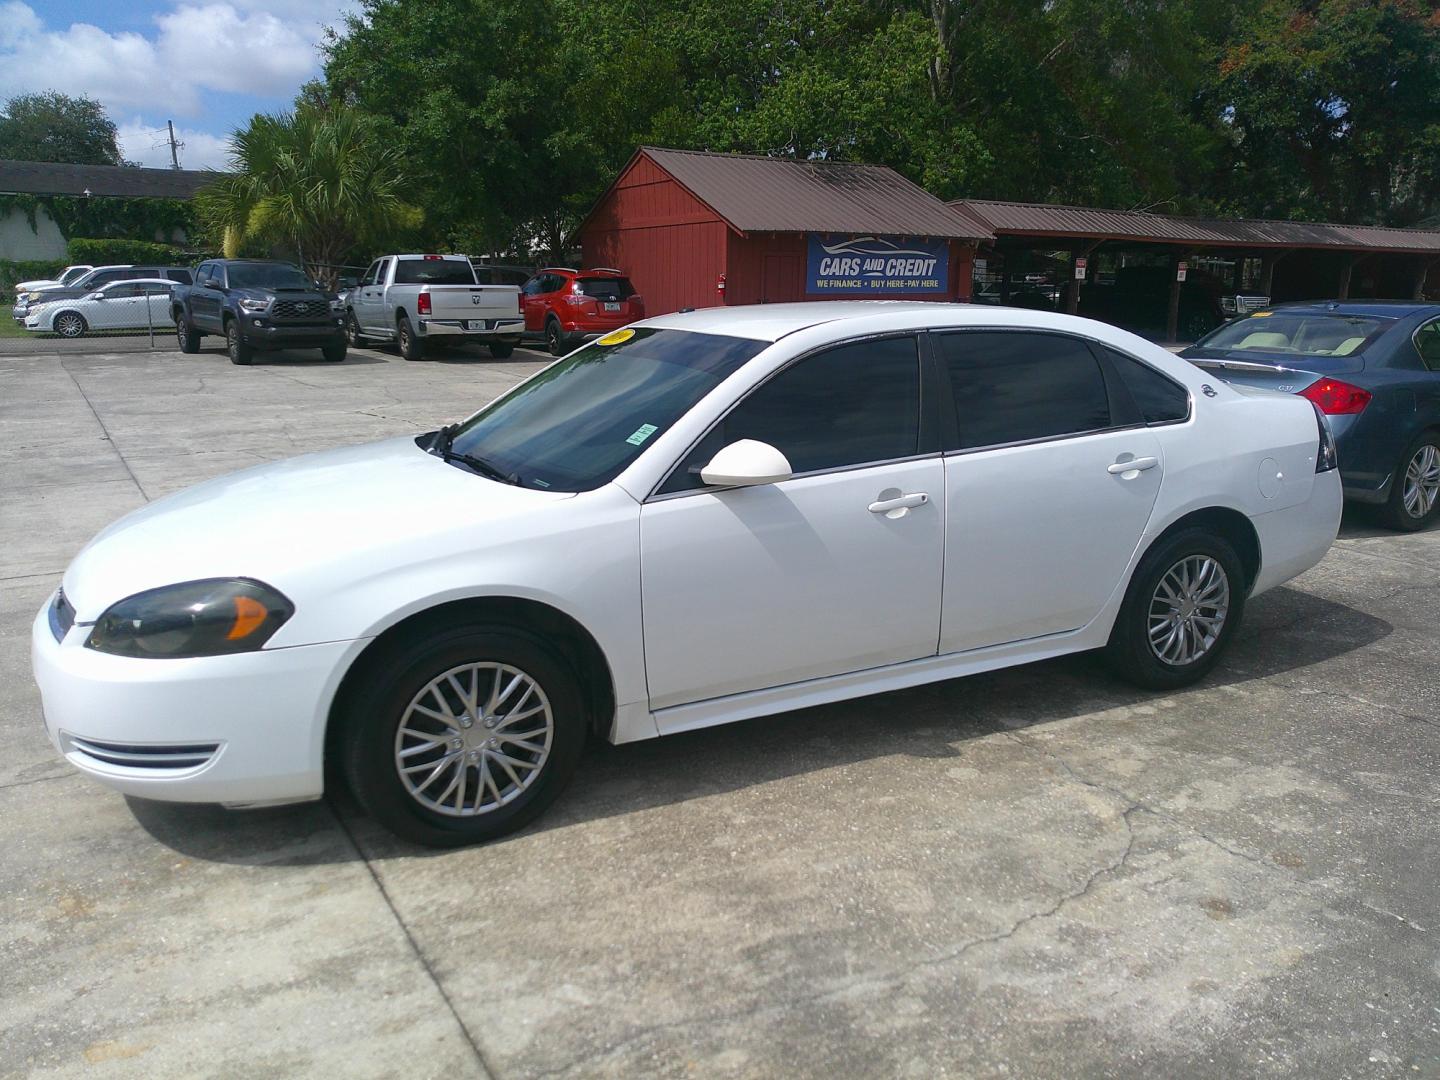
(1188, 610)
(1422, 481)
(70, 326)
(473, 739)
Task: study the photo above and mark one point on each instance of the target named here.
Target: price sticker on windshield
(616, 337)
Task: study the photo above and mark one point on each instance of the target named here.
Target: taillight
(1325, 456)
(638, 304)
(422, 305)
(1336, 398)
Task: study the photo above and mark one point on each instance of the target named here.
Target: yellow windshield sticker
(1261, 314)
(616, 337)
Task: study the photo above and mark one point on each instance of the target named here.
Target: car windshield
(606, 288)
(434, 272)
(73, 275)
(582, 420)
(1308, 333)
(267, 276)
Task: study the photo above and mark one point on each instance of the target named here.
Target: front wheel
(70, 324)
(1181, 610)
(353, 337)
(240, 353)
(334, 353)
(464, 736)
(1415, 489)
(411, 347)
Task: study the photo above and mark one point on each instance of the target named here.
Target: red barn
(695, 229)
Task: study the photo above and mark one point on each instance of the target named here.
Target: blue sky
(206, 64)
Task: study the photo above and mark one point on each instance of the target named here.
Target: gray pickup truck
(257, 304)
(415, 300)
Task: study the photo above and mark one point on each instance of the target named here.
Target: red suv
(568, 307)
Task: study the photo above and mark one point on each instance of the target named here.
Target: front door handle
(903, 502)
(1135, 465)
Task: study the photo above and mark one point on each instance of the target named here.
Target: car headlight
(337, 305)
(199, 618)
(254, 306)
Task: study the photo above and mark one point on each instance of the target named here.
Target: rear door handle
(1139, 464)
(884, 506)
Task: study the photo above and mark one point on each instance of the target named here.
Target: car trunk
(1289, 374)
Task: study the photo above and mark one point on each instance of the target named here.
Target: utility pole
(174, 146)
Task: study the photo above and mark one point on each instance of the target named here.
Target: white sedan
(698, 519)
(120, 305)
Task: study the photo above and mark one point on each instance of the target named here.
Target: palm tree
(318, 178)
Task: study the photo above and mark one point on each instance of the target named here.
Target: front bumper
(504, 329)
(246, 728)
(264, 333)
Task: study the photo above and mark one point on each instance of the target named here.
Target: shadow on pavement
(1285, 630)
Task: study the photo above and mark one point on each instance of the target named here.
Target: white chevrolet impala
(701, 518)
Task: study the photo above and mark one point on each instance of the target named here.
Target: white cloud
(147, 144)
(198, 49)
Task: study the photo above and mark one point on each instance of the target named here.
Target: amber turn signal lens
(249, 616)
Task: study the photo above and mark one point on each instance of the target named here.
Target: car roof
(139, 281)
(1390, 309)
(771, 322)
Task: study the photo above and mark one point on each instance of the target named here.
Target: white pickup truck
(413, 300)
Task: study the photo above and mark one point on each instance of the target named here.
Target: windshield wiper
(444, 441)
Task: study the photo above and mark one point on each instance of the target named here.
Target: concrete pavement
(1040, 872)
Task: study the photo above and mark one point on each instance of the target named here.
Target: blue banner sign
(875, 266)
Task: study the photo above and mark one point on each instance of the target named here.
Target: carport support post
(1343, 293)
(1267, 273)
(1072, 289)
(1422, 272)
(1172, 313)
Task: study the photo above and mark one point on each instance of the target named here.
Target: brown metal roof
(114, 181)
(1044, 220)
(763, 194)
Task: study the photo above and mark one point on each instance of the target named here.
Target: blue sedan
(1373, 368)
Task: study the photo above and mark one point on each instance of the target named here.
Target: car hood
(291, 522)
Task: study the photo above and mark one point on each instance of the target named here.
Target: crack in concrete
(106, 431)
(1255, 860)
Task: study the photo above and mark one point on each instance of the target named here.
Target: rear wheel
(501, 350)
(69, 324)
(464, 736)
(411, 347)
(1181, 610)
(1415, 489)
(240, 353)
(555, 338)
(188, 338)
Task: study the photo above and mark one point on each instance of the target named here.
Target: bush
(11, 272)
(109, 252)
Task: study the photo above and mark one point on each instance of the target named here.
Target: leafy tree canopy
(56, 127)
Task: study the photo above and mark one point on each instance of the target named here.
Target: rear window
(434, 272)
(606, 288)
(1295, 333)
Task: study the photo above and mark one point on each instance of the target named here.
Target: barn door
(782, 279)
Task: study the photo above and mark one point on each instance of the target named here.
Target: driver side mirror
(746, 463)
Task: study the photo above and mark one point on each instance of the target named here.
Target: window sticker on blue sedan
(643, 432)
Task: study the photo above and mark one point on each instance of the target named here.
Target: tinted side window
(1427, 342)
(178, 274)
(371, 274)
(846, 406)
(1011, 387)
(1159, 399)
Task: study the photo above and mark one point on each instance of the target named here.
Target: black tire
(1395, 514)
(240, 353)
(188, 338)
(1130, 652)
(555, 339)
(335, 352)
(69, 324)
(502, 350)
(353, 337)
(411, 347)
(380, 702)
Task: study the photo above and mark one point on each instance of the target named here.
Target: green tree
(56, 127)
(1331, 110)
(319, 179)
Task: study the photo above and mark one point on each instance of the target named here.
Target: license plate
(611, 307)
(474, 324)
